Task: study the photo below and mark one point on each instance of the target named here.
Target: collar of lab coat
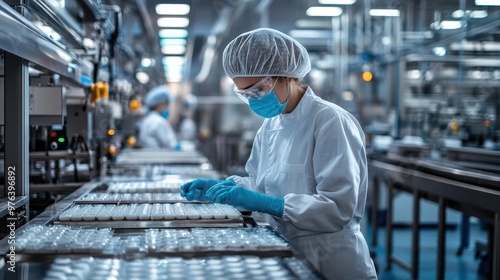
(297, 115)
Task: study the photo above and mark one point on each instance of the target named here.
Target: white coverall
(156, 133)
(315, 158)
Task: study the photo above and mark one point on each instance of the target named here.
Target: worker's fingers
(185, 187)
(193, 195)
(214, 192)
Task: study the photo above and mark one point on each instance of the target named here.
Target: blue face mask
(267, 106)
(165, 113)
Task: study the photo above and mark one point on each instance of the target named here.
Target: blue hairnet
(265, 52)
(157, 95)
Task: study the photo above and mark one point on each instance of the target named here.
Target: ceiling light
(324, 11)
(173, 60)
(450, 24)
(337, 2)
(174, 80)
(173, 33)
(173, 22)
(384, 13)
(310, 33)
(487, 3)
(142, 77)
(307, 23)
(172, 9)
(177, 42)
(173, 66)
(173, 50)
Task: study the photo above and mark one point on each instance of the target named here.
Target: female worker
(307, 170)
(155, 132)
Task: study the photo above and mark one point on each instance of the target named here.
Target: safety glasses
(256, 91)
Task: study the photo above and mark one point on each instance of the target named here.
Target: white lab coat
(315, 158)
(156, 133)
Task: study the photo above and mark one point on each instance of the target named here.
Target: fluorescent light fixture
(308, 23)
(337, 2)
(172, 9)
(173, 50)
(173, 60)
(173, 22)
(478, 14)
(450, 24)
(147, 62)
(487, 3)
(384, 13)
(173, 33)
(142, 77)
(310, 33)
(176, 42)
(173, 68)
(439, 51)
(174, 80)
(324, 11)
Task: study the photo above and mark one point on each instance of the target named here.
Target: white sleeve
(338, 157)
(166, 136)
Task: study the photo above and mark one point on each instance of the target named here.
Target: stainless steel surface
(64, 187)
(21, 37)
(474, 154)
(160, 157)
(216, 223)
(16, 129)
(51, 212)
(224, 267)
(56, 155)
(59, 19)
(48, 242)
(473, 200)
(455, 172)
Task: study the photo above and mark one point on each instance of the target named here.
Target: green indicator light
(60, 140)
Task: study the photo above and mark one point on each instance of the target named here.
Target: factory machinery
(72, 206)
(134, 224)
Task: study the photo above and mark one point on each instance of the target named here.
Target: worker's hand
(250, 200)
(196, 189)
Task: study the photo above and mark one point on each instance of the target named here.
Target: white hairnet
(157, 95)
(265, 52)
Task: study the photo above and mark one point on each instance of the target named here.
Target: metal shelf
(22, 38)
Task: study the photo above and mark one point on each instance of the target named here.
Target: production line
(113, 227)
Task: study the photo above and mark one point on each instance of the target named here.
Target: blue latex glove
(250, 200)
(196, 189)
(178, 147)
